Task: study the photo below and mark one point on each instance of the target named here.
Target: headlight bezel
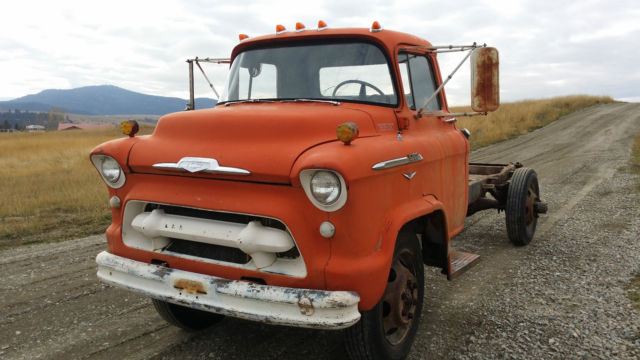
(99, 161)
(306, 177)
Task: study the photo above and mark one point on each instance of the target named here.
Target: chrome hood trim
(411, 158)
(198, 164)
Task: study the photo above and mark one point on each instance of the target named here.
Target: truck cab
(330, 172)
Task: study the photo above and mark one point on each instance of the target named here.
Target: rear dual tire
(521, 210)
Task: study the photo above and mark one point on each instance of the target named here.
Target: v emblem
(409, 175)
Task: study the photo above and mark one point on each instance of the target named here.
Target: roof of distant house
(69, 126)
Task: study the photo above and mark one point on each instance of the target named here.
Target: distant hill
(101, 100)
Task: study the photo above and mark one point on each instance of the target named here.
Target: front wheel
(387, 331)
(184, 317)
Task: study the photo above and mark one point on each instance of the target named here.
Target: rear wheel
(387, 331)
(521, 210)
(184, 317)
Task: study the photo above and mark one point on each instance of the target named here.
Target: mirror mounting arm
(433, 96)
(192, 104)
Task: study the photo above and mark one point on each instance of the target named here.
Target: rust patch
(485, 93)
(306, 306)
(190, 286)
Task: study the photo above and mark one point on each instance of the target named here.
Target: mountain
(102, 100)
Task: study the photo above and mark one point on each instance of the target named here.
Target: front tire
(184, 317)
(388, 330)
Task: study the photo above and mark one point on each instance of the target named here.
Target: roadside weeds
(518, 118)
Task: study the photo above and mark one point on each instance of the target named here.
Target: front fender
(367, 272)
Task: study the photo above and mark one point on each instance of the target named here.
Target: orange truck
(329, 173)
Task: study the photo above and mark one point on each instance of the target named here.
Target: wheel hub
(400, 300)
(530, 213)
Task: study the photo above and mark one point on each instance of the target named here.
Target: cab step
(461, 262)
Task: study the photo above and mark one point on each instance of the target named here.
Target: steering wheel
(363, 86)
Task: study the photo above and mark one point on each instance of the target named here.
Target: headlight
(110, 170)
(325, 187)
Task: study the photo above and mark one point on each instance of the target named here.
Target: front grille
(212, 251)
(208, 251)
(208, 236)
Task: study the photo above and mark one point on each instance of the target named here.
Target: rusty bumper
(269, 304)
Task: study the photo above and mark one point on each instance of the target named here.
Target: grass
(518, 118)
(49, 189)
(633, 288)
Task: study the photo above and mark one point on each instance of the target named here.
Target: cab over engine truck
(330, 172)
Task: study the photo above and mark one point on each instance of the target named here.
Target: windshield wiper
(248, 101)
(336, 103)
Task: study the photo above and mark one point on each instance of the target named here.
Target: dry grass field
(518, 118)
(49, 191)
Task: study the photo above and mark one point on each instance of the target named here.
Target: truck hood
(264, 139)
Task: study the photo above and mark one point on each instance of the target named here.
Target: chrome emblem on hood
(198, 164)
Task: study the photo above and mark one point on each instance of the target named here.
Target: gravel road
(560, 297)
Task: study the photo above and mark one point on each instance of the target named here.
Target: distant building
(8, 130)
(69, 126)
(34, 128)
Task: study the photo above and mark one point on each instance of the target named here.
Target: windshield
(354, 71)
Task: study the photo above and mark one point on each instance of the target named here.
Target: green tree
(56, 115)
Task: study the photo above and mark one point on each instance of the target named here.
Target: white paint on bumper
(269, 304)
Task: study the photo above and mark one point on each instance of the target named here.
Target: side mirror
(485, 89)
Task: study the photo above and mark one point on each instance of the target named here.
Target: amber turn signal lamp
(299, 26)
(243, 36)
(347, 132)
(280, 29)
(129, 127)
(322, 25)
(375, 27)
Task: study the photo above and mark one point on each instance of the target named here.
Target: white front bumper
(269, 304)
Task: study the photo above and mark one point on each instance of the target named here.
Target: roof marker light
(299, 27)
(375, 27)
(322, 25)
(243, 36)
(280, 29)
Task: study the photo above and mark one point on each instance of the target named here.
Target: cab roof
(388, 39)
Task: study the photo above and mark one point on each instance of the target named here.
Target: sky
(547, 48)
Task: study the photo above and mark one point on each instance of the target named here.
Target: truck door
(420, 79)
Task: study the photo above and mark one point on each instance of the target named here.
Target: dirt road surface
(560, 297)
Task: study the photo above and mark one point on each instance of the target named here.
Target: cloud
(547, 48)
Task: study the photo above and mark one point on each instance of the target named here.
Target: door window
(418, 81)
